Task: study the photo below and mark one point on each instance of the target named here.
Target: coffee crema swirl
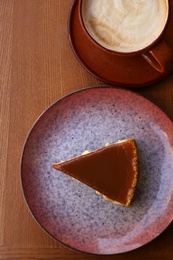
(124, 25)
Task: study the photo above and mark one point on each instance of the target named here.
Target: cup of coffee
(129, 28)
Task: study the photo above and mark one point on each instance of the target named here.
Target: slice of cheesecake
(112, 170)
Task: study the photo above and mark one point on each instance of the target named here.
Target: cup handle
(160, 57)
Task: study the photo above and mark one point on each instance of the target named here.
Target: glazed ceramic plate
(111, 68)
(70, 211)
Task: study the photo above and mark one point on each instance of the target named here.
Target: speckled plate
(70, 211)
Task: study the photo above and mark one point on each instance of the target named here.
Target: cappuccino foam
(124, 25)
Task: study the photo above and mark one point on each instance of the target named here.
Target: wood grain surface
(37, 67)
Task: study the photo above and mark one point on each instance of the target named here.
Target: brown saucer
(108, 67)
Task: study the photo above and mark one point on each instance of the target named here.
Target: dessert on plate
(111, 171)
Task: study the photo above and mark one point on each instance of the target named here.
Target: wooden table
(37, 67)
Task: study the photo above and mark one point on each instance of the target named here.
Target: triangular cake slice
(112, 170)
